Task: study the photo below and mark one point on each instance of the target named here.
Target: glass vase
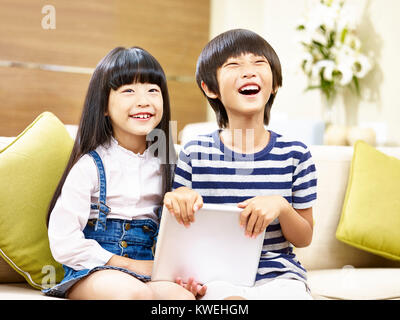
(334, 115)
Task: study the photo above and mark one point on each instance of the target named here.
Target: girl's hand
(183, 203)
(197, 289)
(259, 212)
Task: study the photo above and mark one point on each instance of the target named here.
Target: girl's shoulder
(85, 168)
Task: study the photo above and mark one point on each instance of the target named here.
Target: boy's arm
(297, 226)
(259, 212)
(295, 219)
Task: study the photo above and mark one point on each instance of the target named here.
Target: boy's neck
(243, 137)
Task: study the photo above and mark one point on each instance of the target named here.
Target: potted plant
(333, 59)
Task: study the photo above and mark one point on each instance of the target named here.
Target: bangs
(234, 44)
(135, 66)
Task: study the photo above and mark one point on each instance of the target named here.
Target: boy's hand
(197, 289)
(183, 203)
(259, 212)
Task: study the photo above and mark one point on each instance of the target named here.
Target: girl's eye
(261, 61)
(154, 90)
(128, 90)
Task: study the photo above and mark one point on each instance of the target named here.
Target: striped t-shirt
(220, 175)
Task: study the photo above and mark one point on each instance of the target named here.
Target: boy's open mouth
(249, 89)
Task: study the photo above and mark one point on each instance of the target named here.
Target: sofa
(336, 270)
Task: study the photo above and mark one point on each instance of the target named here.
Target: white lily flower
(347, 73)
(338, 49)
(362, 66)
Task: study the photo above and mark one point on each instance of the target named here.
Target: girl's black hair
(230, 44)
(119, 67)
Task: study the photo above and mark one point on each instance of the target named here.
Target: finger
(258, 226)
(178, 280)
(194, 288)
(251, 223)
(202, 291)
(265, 225)
(189, 284)
(168, 203)
(177, 211)
(244, 203)
(243, 217)
(189, 210)
(184, 213)
(198, 203)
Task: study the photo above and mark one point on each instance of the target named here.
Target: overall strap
(101, 205)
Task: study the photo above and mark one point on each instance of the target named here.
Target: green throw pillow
(30, 169)
(371, 211)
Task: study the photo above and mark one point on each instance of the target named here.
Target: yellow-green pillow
(370, 217)
(30, 169)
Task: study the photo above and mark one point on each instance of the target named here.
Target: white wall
(378, 22)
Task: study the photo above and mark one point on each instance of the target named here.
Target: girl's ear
(208, 93)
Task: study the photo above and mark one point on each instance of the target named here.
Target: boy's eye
(231, 64)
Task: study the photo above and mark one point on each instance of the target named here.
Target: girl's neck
(137, 145)
(245, 137)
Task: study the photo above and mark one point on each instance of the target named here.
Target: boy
(244, 164)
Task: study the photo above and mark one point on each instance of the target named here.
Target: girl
(103, 218)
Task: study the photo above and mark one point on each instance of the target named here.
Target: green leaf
(343, 35)
(356, 85)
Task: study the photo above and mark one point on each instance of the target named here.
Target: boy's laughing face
(245, 85)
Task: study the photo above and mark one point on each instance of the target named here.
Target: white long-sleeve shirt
(134, 186)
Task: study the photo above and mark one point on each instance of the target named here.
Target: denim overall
(134, 239)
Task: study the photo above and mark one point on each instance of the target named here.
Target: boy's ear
(208, 93)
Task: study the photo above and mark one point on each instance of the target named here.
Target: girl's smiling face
(134, 110)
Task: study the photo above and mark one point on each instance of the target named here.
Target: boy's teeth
(251, 87)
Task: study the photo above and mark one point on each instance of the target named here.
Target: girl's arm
(69, 217)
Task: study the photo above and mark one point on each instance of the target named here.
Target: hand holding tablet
(213, 248)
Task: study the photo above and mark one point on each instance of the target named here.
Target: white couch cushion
(21, 291)
(355, 284)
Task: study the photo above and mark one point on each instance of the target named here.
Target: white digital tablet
(214, 247)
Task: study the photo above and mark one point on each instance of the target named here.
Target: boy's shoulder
(200, 141)
(287, 142)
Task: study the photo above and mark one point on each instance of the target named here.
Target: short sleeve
(183, 171)
(304, 186)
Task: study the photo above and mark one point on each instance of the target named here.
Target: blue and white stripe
(283, 167)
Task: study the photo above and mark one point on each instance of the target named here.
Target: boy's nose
(248, 74)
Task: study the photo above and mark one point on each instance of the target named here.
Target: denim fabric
(136, 243)
(134, 239)
(101, 205)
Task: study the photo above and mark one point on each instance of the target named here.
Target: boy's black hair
(121, 66)
(229, 44)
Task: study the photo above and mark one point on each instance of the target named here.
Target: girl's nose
(143, 102)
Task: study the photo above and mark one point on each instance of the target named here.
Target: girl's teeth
(142, 116)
